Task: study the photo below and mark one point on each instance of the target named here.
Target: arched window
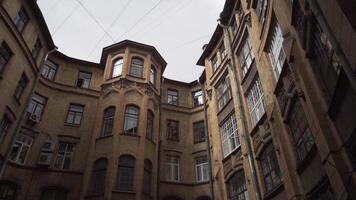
(237, 186)
(7, 191)
(108, 121)
(117, 67)
(150, 122)
(131, 120)
(136, 67)
(153, 73)
(98, 176)
(125, 174)
(147, 177)
(54, 194)
(270, 169)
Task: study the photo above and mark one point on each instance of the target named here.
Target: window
(172, 97)
(108, 121)
(117, 68)
(173, 130)
(98, 176)
(237, 186)
(7, 191)
(49, 69)
(136, 67)
(147, 176)
(150, 122)
(21, 87)
(202, 169)
(256, 101)
(153, 73)
(21, 19)
(223, 93)
(83, 79)
(197, 98)
(75, 114)
(126, 169)
(300, 131)
(270, 169)
(246, 56)
(233, 25)
(229, 135)
(37, 104)
(64, 155)
(20, 149)
(131, 120)
(199, 132)
(222, 51)
(4, 126)
(54, 194)
(36, 48)
(275, 51)
(261, 10)
(5, 55)
(214, 63)
(172, 168)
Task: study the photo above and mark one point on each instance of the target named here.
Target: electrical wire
(194, 40)
(65, 19)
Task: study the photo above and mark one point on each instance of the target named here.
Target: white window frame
(172, 165)
(256, 101)
(117, 67)
(276, 51)
(223, 93)
(199, 171)
(246, 55)
(23, 141)
(64, 154)
(229, 135)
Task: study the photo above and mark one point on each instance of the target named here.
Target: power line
(95, 20)
(192, 41)
(66, 19)
(139, 20)
(111, 25)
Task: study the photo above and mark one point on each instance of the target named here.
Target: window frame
(36, 48)
(214, 62)
(49, 70)
(171, 98)
(108, 121)
(172, 131)
(19, 141)
(75, 114)
(150, 125)
(238, 177)
(147, 177)
(197, 132)
(5, 55)
(123, 167)
(229, 134)
(21, 17)
(153, 75)
(201, 163)
(38, 101)
(198, 100)
(256, 102)
(246, 54)
(117, 67)
(269, 167)
(223, 92)
(99, 172)
(172, 164)
(276, 52)
(131, 116)
(21, 87)
(136, 66)
(5, 124)
(66, 154)
(80, 83)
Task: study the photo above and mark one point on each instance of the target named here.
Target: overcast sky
(177, 28)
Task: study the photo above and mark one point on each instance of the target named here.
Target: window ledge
(223, 108)
(133, 76)
(201, 182)
(248, 72)
(231, 153)
(199, 142)
(104, 137)
(72, 125)
(129, 134)
(123, 191)
(276, 190)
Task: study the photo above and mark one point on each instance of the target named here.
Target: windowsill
(133, 76)
(130, 134)
(123, 191)
(72, 125)
(199, 142)
(248, 72)
(255, 127)
(104, 137)
(112, 78)
(222, 109)
(202, 183)
(231, 153)
(276, 190)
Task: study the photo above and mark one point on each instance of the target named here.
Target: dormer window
(117, 67)
(136, 67)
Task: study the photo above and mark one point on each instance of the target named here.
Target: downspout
(159, 139)
(20, 122)
(207, 142)
(351, 75)
(241, 115)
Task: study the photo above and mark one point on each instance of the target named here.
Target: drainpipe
(207, 142)
(20, 122)
(244, 123)
(351, 75)
(159, 140)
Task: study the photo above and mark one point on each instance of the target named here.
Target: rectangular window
(21, 87)
(223, 93)
(256, 101)
(64, 155)
(300, 131)
(5, 55)
(75, 114)
(21, 19)
(275, 51)
(172, 168)
(199, 132)
(233, 26)
(172, 97)
(49, 70)
(222, 51)
(202, 169)
(197, 98)
(261, 10)
(214, 63)
(83, 79)
(20, 149)
(270, 169)
(153, 75)
(172, 130)
(4, 126)
(237, 186)
(36, 48)
(229, 135)
(37, 104)
(246, 56)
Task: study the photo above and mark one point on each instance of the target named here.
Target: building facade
(271, 117)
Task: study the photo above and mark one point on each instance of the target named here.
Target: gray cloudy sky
(177, 28)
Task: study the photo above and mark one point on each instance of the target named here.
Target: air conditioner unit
(48, 146)
(45, 159)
